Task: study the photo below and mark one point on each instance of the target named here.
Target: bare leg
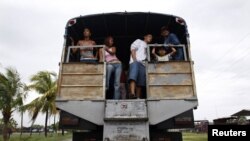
(132, 87)
(138, 91)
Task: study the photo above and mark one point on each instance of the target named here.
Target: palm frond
(44, 83)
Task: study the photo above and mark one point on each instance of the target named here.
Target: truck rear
(169, 96)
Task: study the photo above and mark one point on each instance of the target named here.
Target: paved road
(68, 140)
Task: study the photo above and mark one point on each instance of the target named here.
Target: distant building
(226, 121)
(201, 125)
(242, 117)
(242, 113)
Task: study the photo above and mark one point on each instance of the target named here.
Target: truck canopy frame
(125, 27)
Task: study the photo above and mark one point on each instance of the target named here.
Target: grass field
(37, 137)
(66, 137)
(194, 136)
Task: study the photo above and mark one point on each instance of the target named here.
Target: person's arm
(173, 51)
(133, 54)
(97, 52)
(96, 55)
(174, 39)
(155, 55)
(101, 57)
(112, 51)
(78, 43)
(134, 48)
(153, 52)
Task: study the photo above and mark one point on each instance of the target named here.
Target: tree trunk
(55, 124)
(31, 128)
(63, 131)
(5, 132)
(21, 124)
(46, 121)
(6, 120)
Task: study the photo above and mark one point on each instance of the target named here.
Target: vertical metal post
(69, 49)
(148, 53)
(104, 80)
(104, 72)
(147, 81)
(184, 52)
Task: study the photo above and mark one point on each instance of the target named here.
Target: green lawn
(37, 137)
(194, 136)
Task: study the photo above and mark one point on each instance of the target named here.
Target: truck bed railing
(82, 47)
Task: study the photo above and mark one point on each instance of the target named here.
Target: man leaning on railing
(172, 39)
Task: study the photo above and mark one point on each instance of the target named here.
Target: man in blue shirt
(172, 39)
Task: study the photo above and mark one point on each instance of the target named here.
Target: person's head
(164, 31)
(162, 51)
(86, 32)
(74, 50)
(109, 41)
(148, 38)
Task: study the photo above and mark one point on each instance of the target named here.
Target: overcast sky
(31, 40)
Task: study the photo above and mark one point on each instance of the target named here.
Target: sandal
(133, 96)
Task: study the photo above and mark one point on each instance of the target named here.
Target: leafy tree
(12, 93)
(44, 83)
(242, 120)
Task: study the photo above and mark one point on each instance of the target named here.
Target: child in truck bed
(163, 54)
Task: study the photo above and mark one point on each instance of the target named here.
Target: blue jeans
(117, 69)
(179, 55)
(137, 73)
(88, 60)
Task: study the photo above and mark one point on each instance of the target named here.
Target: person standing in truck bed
(87, 54)
(113, 65)
(172, 39)
(137, 73)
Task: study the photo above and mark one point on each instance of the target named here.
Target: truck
(169, 96)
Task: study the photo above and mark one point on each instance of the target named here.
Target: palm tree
(12, 93)
(21, 110)
(44, 83)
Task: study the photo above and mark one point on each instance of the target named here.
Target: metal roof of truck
(125, 27)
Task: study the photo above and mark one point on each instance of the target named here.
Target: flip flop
(133, 96)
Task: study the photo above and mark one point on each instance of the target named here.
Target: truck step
(126, 131)
(126, 110)
(126, 120)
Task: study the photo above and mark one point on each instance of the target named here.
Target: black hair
(164, 28)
